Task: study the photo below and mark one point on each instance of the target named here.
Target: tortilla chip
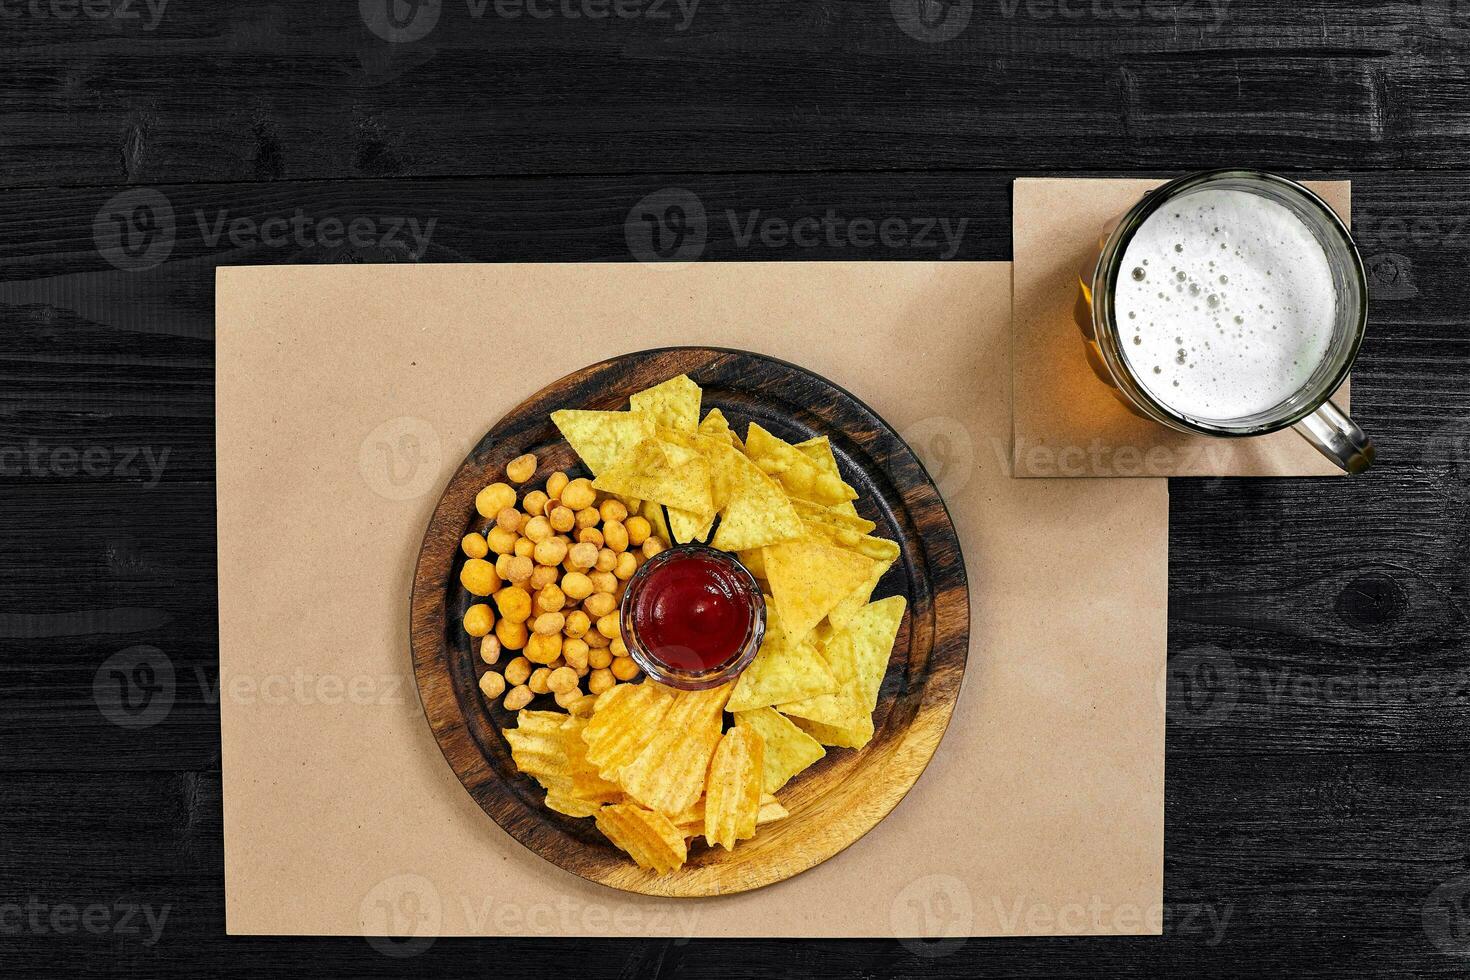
(686, 527)
(853, 603)
(601, 438)
(654, 513)
(788, 749)
(715, 424)
(878, 549)
(732, 796)
(796, 473)
(759, 512)
(675, 403)
(850, 737)
(663, 473)
(871, 635)
(858, 657)
(809, 578)
(816, 513)
(781, 672)
(819, 451)
(754, 561)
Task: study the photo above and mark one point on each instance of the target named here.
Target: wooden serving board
(834, 802)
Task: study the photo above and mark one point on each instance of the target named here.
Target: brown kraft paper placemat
(346, 397)
(1068, 422)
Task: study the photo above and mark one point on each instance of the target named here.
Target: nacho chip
(878, 549)
(850, 737)
(871, 635)
(838, 519)
(858, 657)
(624, 719)
(655, 515)
(809, 578)
(732, 795)
(787, 749)
(663, 473)
(601, 438)
(754, 561)
(819, 451)
(854, 601)
(781, 671)
(715, 424)
(796, 473)
(668, 774)
(648, 837)
(675, 403)
(686, 527)
(759, 512)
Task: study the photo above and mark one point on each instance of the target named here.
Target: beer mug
(1231, 303)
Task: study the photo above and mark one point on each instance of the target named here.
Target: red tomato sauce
(693, 614)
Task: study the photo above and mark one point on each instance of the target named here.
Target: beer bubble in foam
(1226, 304)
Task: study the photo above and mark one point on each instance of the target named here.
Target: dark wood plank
(264, 91)
(1272, 865)
(1316, 734)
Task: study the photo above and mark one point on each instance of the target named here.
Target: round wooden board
(834, 802)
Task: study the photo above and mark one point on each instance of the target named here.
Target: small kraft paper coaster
(347, 396)
(1068, 422)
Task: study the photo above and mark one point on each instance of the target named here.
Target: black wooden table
(1318, 822)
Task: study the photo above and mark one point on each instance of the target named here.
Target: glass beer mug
(1230, 303)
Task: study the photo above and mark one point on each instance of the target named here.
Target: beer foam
(1225, 304)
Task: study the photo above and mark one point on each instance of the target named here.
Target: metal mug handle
(1338, 437)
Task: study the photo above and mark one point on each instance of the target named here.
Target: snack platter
(522, 656)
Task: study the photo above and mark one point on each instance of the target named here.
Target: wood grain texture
(833, 803)
(306, 91)
(1320, 823)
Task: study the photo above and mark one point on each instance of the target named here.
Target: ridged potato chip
(787, 749)
(548, 747)
(669, 773)
(732, 795)
(624, 719)
(649, 837)
(691, 821)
